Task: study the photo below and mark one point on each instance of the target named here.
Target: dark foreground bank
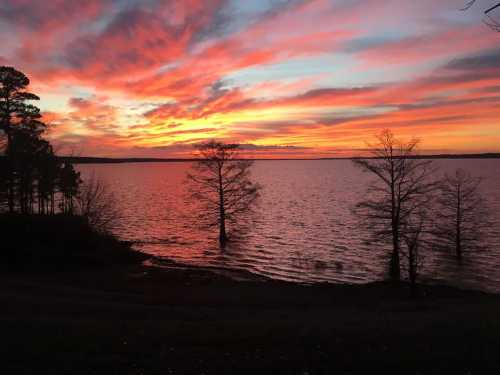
(132, 319)
(59, 242)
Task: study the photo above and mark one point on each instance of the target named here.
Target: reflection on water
(304, 230)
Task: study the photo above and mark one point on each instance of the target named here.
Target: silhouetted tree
(221, 183)
(4, 174)
(48, 173)
(400, 188)
(23, 151)
(489, 20)
(461, 214)
(14, 109)
(417, 239)
(18, 119)
(69, 182)
(31, 174)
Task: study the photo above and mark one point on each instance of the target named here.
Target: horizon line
(103, 160)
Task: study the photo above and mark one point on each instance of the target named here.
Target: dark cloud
(449, 102)
(280, 6)
(489, 60)
(250, 146)
(43, 15)
(218, 27)
(341, 120)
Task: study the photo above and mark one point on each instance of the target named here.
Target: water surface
(304, 229)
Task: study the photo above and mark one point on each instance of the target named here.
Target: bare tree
(97, 204)
(492, 22)
(3, 144)
(221, 183)
(417, 239)
(461, 215)
(402, 184)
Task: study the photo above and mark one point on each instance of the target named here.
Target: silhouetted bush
(96, 203)
(58, 242)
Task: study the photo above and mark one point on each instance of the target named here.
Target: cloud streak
(143, 78)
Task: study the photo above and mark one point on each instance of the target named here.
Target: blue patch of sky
(239, 14)
(339, 70)
(58, 101)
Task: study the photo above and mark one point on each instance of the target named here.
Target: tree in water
(402, 181)
(417, 239)
(461, 215)
(221, 183)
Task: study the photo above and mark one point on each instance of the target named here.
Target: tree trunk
(222, 214)
(394, 266)
(222, 232)
(412, 270)
(395, 269)
(458, 243)
(458, 224)
(10, 182)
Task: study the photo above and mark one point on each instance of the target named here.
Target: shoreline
(240, 274)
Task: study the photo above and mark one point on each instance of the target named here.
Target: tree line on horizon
(407, 206)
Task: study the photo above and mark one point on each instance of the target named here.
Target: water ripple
(304, 230)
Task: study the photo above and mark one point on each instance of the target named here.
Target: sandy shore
(145, 320)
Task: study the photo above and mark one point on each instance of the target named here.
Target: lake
(304, 229)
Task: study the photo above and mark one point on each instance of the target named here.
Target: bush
(97, 204)
(59, 241)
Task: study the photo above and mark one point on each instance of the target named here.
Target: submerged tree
(221, 183)
(461, 215)
(416, 238)
(402, 186)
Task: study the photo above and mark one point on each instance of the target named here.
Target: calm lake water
(304, 229)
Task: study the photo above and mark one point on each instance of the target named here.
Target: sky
(296, 78)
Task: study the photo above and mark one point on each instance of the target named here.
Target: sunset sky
(291, 78)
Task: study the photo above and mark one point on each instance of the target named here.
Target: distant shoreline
(99, 160)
